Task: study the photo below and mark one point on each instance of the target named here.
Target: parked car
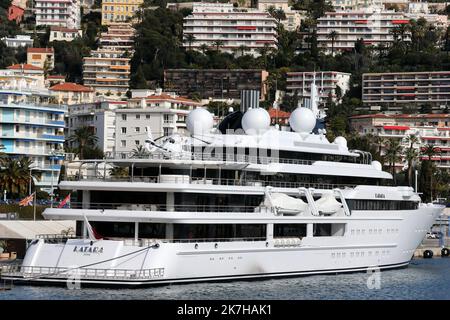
(433, 235)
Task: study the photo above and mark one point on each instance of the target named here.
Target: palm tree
(203, 48)
(242, 48)
(139, 152)
(190, 39)
(119, 172)
(15, 175)
(333, 36)
(218, 44)
(411, 155)
(83, 137)
(428, 167)
(393, 151)
(430, 151)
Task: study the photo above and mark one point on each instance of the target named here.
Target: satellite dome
(302, 120)
(341, 141)
(255, 120)
(199, 121)
(377, 165)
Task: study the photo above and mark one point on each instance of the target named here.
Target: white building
(373, 25)
(234, 28)
(64, 34)
(327, 83)
(31, 126)
(18, 41)
(63, 13)
(431, 129)
(100, 117)
(164, 113)
(359, 4)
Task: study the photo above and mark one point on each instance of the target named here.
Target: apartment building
(120, 36)
(229, 29)
(71, 93)
(373, 25)
(329, 83)
(393, 91)
(100, 117)
(64, 34)
(359, 4)
(119, 10)
(31, 126)
(164, 112)
(217, 84)
(18, 41)
(41, 57)
(431, 129)
(107, 72)
(63, 13)
(28, 71)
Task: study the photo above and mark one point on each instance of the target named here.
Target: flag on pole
(27, 201)
(65, 201)
(93, 235)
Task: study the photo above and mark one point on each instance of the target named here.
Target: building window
(138, 116)
(137, 129)
(123, 143)
(124, 130)
(124, 117)
(136, 142)
(147, 116)
(17, 128)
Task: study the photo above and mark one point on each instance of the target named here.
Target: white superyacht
(222, 204)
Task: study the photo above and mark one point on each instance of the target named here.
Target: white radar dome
(302, 120)
(255, 120)
(377, 165)
(199, 121)
(341, 141)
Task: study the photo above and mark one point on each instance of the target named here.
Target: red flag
(64, 202)
(27, 201)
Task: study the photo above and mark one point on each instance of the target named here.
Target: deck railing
(31, 272)
(162, 207)
(213, 181)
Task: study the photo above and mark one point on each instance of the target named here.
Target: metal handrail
(220, 157)
(86, 273)
(215, 181)
(161, 207)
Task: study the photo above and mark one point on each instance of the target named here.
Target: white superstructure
(218, 204)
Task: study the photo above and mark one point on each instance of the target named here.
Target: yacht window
(289, 230)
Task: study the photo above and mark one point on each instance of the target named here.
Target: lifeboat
(285, 204)
(327, 204)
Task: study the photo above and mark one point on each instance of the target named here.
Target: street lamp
(53, 154)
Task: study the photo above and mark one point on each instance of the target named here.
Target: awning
(404, 128)
(28, 229)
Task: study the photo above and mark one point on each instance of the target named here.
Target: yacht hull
(372, 241)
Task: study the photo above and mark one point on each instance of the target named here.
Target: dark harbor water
(423, 279)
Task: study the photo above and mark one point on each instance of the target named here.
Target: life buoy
(445, 252)
(428, 254)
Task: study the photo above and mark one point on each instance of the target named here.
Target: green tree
(393, 153)
(411, 155)
(333, 35)
(15, 175)
(83, 137)
(138, 80)
(139, 152)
